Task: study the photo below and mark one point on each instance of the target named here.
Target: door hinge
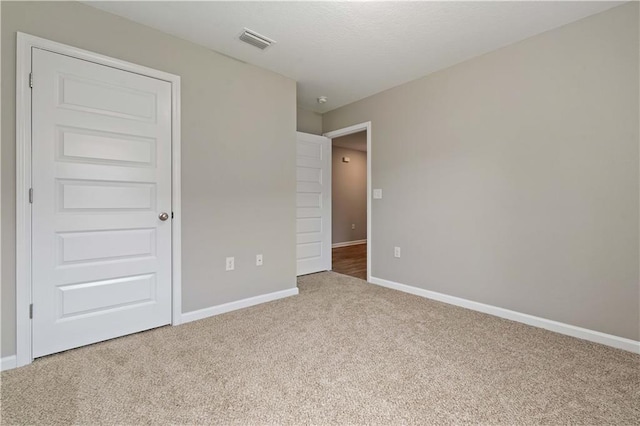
(31, 311)
(31, 195)
(31, 80)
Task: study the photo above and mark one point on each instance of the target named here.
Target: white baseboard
(239, 304)
(8, 362)
(558, 327)
(349, 243)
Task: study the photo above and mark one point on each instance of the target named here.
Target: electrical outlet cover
(230, 264)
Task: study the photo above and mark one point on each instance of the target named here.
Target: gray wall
(512, 179)
(348, 194)
(308, 121)
(238, 154)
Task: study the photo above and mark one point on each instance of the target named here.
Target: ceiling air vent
(255, 39)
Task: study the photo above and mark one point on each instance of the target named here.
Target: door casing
(344, 132)
(25, 43)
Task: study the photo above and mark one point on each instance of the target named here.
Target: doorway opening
(351, 200)
(349, 204)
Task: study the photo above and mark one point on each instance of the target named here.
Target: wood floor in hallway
(351, 260)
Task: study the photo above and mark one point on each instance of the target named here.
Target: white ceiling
(350, 50)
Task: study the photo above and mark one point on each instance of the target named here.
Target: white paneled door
(313, 198)
(101, 235)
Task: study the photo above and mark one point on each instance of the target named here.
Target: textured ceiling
(350, 50)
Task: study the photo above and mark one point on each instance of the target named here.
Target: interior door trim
(348, 131)
(25, 44)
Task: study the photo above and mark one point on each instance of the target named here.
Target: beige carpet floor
(342, 352)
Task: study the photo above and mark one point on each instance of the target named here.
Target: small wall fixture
(322, 100)
(346, 159)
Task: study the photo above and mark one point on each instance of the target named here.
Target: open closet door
(313, 204)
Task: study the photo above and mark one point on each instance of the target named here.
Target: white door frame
(344, 132)
(23, 178)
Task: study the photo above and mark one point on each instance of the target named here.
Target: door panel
(101, 176)
(89, 195)
(95, 96)
(105, 245)
(81, 145)
(313, 204)
(100, 296)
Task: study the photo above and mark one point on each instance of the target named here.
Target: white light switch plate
(377, 194)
